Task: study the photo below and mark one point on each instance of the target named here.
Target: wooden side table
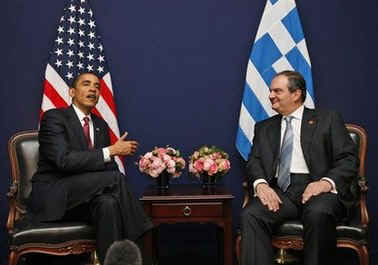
(189, 204)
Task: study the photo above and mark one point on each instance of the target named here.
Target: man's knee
(322, 207)
(252, 212)
(317, 215)
(105, 203)
(246, 214)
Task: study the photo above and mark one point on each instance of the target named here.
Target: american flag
(279, 45)
(78, 48)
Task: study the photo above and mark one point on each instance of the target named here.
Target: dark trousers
(319, 216)
(102, 198)
(104, 213)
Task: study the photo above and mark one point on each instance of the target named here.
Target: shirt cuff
(257, 182)
(106, 153)
(333, 190)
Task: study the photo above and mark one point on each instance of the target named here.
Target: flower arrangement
(210, 161)
(162, 158)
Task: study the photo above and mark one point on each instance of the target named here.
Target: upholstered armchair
(55, 238)
(351, 233)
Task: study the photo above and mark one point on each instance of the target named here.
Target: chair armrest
(12, 205)
(15, 210)
(364, 212)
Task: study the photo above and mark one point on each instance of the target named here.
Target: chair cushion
(51, 232)
(295, 228)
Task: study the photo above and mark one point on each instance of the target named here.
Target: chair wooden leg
(363, 256)
(94, 259)
(237, 248)
(361, 250)
(283, 257)
(13, 258)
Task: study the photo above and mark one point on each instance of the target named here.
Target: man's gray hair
(296, 82)
(123, 252)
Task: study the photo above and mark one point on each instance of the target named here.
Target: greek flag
(279, 45)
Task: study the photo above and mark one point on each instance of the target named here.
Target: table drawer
(164, 210)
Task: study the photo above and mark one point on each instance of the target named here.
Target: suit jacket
(63, 152)
(327, 148)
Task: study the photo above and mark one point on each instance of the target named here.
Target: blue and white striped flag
(279, 45)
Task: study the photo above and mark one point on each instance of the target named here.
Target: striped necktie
(285, 156)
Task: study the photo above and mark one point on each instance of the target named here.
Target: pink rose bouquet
(210, 161)
(162, 158)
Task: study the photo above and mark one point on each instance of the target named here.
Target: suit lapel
(309, 124)
(77, 127)
(98, 131)
(274, 134)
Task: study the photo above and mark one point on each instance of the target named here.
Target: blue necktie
(285, 156)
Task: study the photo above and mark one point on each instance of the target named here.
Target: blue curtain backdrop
(178, 70)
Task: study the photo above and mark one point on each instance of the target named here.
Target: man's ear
(71, 92)
(297, 95)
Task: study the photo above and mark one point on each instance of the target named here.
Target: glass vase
(162, 181)
(208, 181)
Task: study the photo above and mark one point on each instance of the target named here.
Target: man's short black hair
(123, 252)
(296, 81)
(74, 82)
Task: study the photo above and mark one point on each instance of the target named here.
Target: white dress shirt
(298, 164)
(81, 116)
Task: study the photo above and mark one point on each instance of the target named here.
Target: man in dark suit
(77, 178)
(301, 166)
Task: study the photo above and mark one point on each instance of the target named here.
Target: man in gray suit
(77, 177)
(301, 167)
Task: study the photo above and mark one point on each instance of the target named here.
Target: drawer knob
(187, 211)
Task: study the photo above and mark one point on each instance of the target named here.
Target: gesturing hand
(268, 197)
(123, 147)
(315, 188)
